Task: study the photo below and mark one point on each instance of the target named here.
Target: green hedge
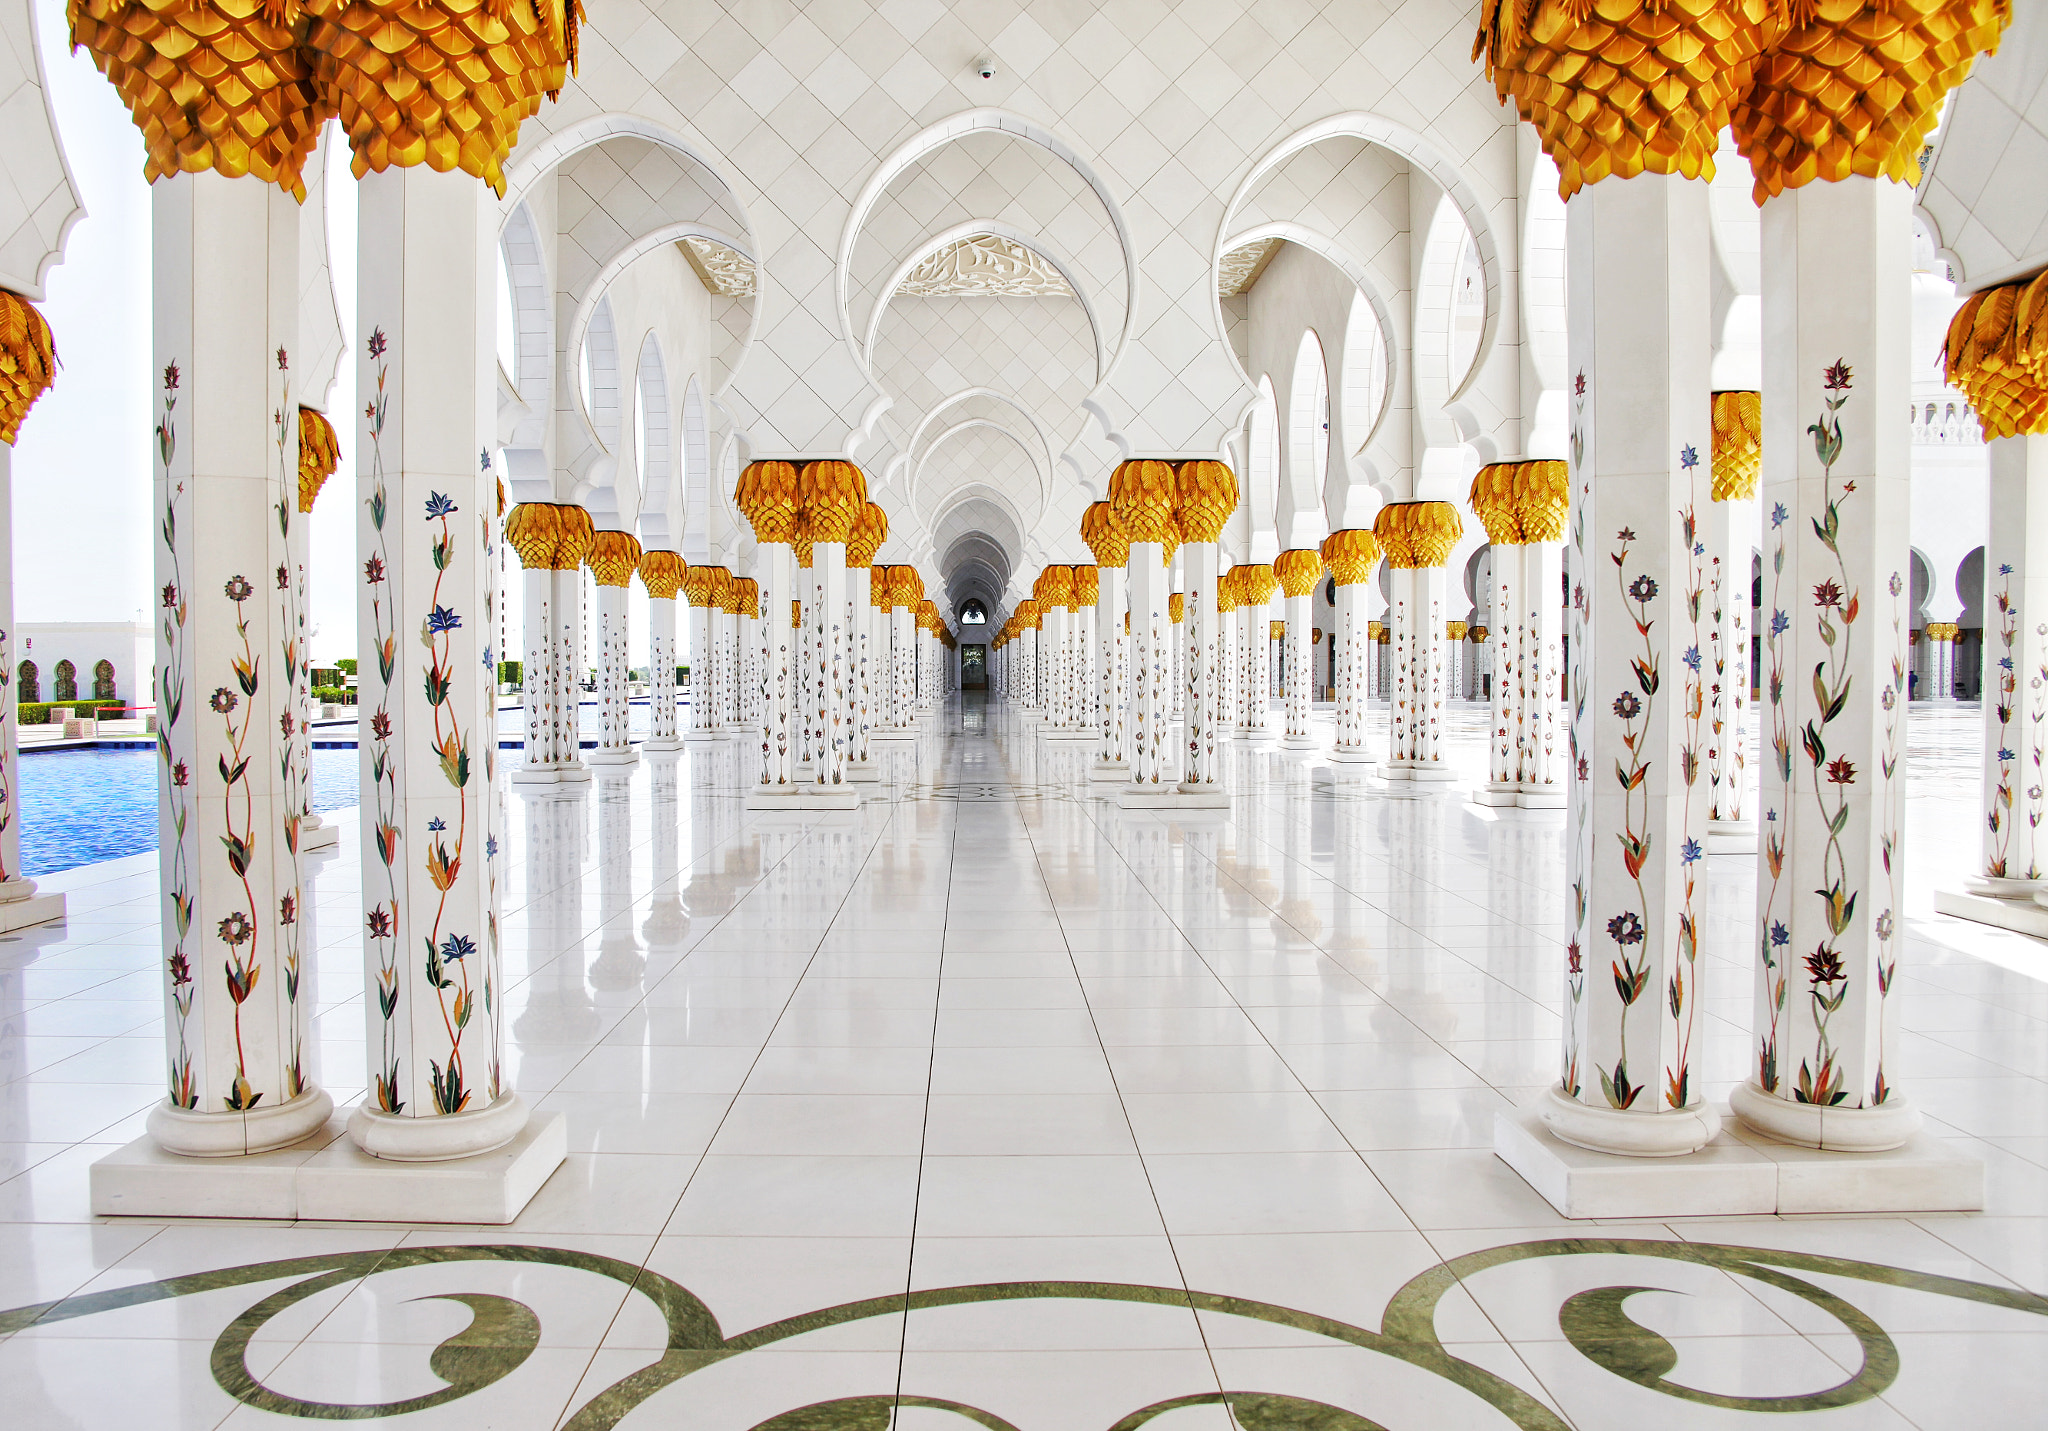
(334, 695)
(510, 672)
(38, 712)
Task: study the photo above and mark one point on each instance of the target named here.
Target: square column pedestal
(327, 1178)
(1738, 1173)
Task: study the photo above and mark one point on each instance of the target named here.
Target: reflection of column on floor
(1298, 571)
(30, 361)
(1836, 280)
(1728, 531)
(557, 1008)
(661, 574)
(1418, 538)
(668, 920)
(319, 455)
(1352, 556)
(613, 558)
(226, 324)
(766, 496)
(1255, 591)
(1142, 495)
(620, 963)
(1111, 549)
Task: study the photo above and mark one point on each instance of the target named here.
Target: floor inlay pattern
(992, 1105)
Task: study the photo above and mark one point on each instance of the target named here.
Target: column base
(1540, 797)
(535, 774)
(1251, 734)
(1738, 1173)
(1068, 733)
(398, 1139)
(326, 1177)
(1633, 1135)
(663, 742)
(1496, 794)
(1347, 755)
(1109, 769)
(1428, 772)
(191, 1134)
(864, 771)
(1731, 837)
(1168, 797)
(318, 837)
(612, 757)
(801, 797)
(701, 737)
(1980, 901)
(894, 732)
(1300, 743)
(572, 772)
(1203, 796)
(22, 911)
(1889, 1125)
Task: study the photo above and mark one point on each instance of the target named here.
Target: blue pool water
(78, 806)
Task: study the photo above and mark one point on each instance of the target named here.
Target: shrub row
(38, 712)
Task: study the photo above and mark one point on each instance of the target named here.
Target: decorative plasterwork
(725, 271)
(984, 266)
(1242, 266)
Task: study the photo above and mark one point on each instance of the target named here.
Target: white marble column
(1636, 824)
(318, 457)
(613, 558)
(1542, 734)
(531, 528)
(1255, 649)
(752, 656)
(1151, 662)
(834, 702)
(1205, 724)
(700, 585)
(767, 496)
(902, 654)
(1299, 570)
(1728, 531)
(565, 663)
(435, 1011)
(2014, 864)
(1228, 682)
(860, 616)
(661, 574)
(1352, 556)
(226, 320)
(1838, 361)
(20, 905)
(1418, 538)
(1176, 620)
(1112, 551)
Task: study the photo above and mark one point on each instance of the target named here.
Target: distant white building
(78, 660)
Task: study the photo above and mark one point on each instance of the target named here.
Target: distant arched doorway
(103, 681)
(28, 682)
(65, 687)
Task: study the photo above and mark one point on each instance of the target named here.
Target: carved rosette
(319, 455)
(1738, 445)
(766, 495)
(1206, 496)
(1298, 570)
(28, 361)
(661, 573)
(1107, 540)
(1624, 87)
(1997, 353)
(613, 558)
(1351, 555)
(1854, 87)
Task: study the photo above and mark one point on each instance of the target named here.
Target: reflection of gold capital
(1738, 445)
(28, 361)
(319, 455)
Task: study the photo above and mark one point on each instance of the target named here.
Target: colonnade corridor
(992, 1104)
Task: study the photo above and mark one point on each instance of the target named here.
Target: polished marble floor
(990, 1105)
